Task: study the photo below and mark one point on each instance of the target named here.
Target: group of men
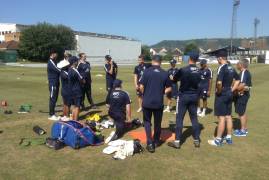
(76, 81)
(151, 84)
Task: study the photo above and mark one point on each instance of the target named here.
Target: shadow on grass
(209, 111)
(236, 125)
(189, 132)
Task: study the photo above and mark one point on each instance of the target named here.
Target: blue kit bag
(75, 134)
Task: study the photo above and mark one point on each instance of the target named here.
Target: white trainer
(54, 118)
(139, 110)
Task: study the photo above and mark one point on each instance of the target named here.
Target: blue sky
(147, 20)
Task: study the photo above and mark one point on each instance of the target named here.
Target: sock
(204, 109)
(199, 109)
(229, 136)
(168, 107)
(177, 141)
(219, 139)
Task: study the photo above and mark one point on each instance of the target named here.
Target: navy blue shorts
(66, 100)
(76, 101)
(223, 104)
(241, 104)
(173, 93)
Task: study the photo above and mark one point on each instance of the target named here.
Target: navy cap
(108, 57)
(222, 53)
(203, 61)
(173, 61)
(72, 59)
(117, 83)
(157, 58)
(194, 55)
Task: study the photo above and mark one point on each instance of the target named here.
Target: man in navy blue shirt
(111, 69)
(226, 83)
(173, 94)
(154, 84)
(54, 84)
(119, 110)
(65, 92)
(84, 68)
(189, 77)
(243, 95)
(204, 87)
(75, 81)
(138, 72)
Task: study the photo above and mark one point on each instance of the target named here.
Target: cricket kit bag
(75, 134)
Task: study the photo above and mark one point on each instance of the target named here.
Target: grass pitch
(248, 158)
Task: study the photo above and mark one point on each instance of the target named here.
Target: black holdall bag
(55, 144)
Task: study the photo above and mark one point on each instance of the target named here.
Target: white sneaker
(199, 111)
(166, 110)
(139, 110)
(54, 118)
(64, 118)
(108, 139)
(201, 114)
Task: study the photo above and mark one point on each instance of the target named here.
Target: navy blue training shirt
(226, 74)
(53, 72)
(107, 68)
(74, 79)
(173, 71)
(154, 80)
(189, 77)
(64, 80)
(139, 70)
(206, 76)
(84, 68)
(118, 101)
(245, 77)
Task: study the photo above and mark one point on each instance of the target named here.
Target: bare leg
(140, 102)
(229, 125)
(75, 113)
(221, 126)
(66, 110)
(243, 120)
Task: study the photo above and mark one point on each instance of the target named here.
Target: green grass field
(248, 158)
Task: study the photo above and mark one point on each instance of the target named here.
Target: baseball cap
(108, 57)
(194, 55)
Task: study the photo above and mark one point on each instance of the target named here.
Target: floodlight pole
(236, 4)
(256, 23)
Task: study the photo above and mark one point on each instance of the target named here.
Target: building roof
(10, 45)
(108, 36)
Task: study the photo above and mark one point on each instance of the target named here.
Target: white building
(7, 28)
(122, 49)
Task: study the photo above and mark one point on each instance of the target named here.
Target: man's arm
(218, 87)
(167, 90)
(235, 85)
(142, 88)
(135, 81)
(128, 112)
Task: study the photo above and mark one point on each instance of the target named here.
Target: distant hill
(214, 43)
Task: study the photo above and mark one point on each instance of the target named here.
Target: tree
(37, 41)
(145, 50)
(190, 47)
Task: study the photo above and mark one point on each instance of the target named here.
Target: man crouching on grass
(119, 107)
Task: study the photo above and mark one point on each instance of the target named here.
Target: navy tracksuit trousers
(187, 102)
(147, 114)
(54, 92)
